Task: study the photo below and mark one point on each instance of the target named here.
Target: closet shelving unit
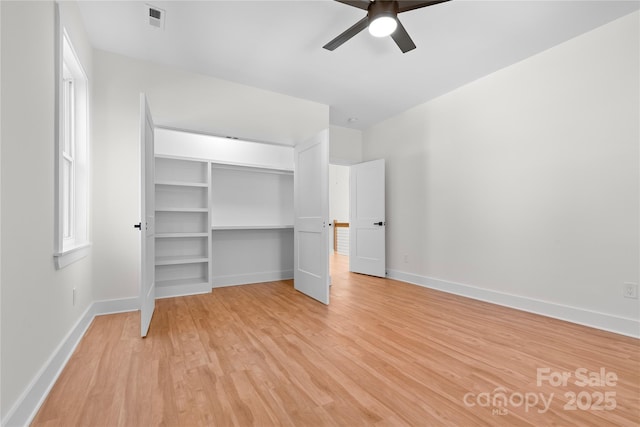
(252, 224)
(224, 212)
(182, 264)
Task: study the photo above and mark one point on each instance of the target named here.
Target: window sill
(71, 255)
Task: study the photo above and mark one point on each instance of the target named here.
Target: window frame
(72, 162)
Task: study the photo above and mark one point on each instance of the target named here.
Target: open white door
(367, 219)
(147, 210)
(311, 226)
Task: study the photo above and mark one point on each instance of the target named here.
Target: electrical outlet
(406, 258)
(630, 290)
(74, 296)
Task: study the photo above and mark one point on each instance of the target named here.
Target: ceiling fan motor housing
(381, 8)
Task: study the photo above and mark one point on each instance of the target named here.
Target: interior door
(311, 224)
(147, 226)
(367, 218)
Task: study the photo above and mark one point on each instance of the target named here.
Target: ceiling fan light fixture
(382, 20)
(383, 26)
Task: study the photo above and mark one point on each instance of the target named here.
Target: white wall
(339, 193)
(345, 148)
(525, 182)
(36, 307)
(203, 104)
(177, 99)
(345, 145)
(339, 205)
(251, 256)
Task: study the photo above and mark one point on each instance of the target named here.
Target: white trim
(69, 250)
(29, 402)
(250, 278)
(606, 322)
(71, 255)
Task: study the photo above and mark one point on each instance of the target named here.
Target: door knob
(379, 223)
(138, 226)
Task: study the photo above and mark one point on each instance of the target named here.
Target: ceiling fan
(382, 20)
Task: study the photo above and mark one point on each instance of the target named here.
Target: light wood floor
(383, 353)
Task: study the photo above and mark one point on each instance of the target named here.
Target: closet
(252, 224)
(223, 212)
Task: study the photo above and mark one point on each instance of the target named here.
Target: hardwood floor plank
(384, 353)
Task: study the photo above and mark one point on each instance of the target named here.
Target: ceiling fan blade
(402, 39)
(352, 31)
(404, 6)
(360, 4)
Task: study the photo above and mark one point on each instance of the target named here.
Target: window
(72, 163)
(68, 113)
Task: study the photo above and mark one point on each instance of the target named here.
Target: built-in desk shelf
(205, 210)
(177, 235)
(182, 184)
(251, 227)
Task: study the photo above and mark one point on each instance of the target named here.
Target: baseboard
(607, 322)
(113, 306)
(245, 279)
(27, 405)
(182, 290)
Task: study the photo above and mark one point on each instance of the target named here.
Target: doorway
(357, 212)
(339, 208)
(339, 218)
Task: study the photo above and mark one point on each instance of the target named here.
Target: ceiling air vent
(156, 16)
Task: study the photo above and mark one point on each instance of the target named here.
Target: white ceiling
(277, 45)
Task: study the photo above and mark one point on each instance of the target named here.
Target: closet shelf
(182, 218)
(183, 183)
(173, 260)
(182, 282)
(252, 227)
(251, 169)
(177, 235)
